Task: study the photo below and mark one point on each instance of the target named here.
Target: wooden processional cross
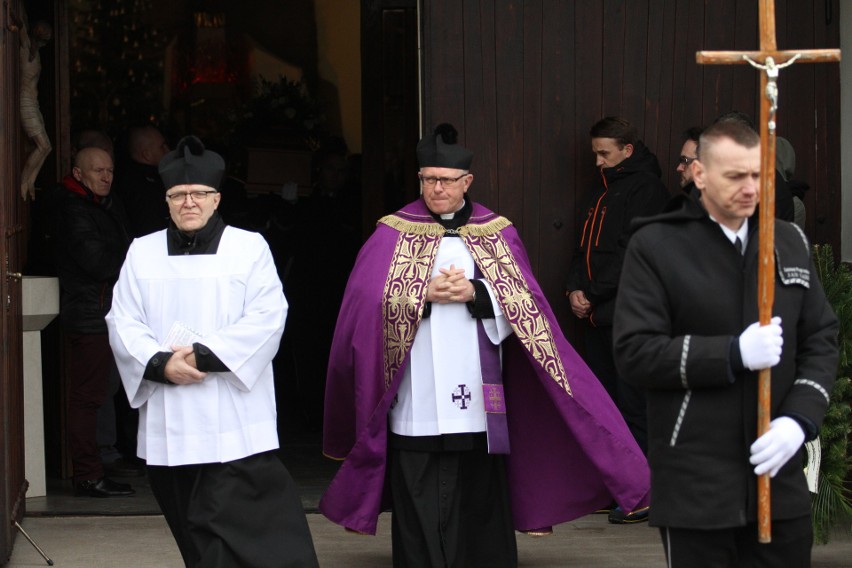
(769, 61)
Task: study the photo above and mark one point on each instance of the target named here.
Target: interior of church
(276, 91)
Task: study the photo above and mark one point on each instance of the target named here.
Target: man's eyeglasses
(685, 160)
(430, 181)
(180, 196)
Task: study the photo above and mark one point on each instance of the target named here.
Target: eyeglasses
(685, 160)
(197, 196)
(430, 181)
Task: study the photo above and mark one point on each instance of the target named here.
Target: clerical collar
(203, 241)
(457, 219)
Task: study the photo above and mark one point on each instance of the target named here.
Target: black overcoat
(685, 295)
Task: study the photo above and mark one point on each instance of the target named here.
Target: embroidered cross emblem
(494, 399)
(461, 396)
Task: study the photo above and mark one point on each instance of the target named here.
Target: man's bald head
(93, 169)
(147, 145)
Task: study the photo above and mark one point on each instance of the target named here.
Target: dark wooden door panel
(12, 482)
(390, 99)
(524, 80)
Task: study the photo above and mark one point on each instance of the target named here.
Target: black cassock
(450, 503)
(245, 513)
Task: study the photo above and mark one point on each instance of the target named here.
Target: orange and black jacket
(631, 189)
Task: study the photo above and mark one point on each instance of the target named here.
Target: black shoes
(618, 517)
(608, 509)
(124, 468)
(103, 487)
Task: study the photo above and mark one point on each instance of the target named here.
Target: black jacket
(144, 196)
(631, 189)
(91, 241)
(686, 295)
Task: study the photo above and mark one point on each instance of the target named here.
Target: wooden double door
(13, 485)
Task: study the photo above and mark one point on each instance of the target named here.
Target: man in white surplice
(197, 317)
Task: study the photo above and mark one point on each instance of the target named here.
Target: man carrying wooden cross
(686, 329)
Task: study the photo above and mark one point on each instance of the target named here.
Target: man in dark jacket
(629, 187)
(688, 154)
(686, 330)
(140, 187)
(91, 241)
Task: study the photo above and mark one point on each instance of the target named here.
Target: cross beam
(769, 59)
(734, 57)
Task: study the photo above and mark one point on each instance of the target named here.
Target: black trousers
(630, 400)
(451, 509)
(89, 364)
(738, 547)
(244, 513)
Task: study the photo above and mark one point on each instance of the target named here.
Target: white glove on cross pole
(760, 345)
(775, 448)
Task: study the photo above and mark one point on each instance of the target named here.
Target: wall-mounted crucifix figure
(32, 39)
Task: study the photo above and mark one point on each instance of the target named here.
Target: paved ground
(129, 532)
(145, 542)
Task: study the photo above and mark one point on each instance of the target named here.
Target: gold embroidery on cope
(412, 227)
(500, 268)
(404, 296)
(405, 291)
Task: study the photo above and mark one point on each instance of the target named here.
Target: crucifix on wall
(769, 60)
(33, 38)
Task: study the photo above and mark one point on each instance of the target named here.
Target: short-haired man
(784, 207)
(686, 330)
(198, 315)
(629, 186)
(91, 239)
(688, 154)
(139, 183)
(441, 312)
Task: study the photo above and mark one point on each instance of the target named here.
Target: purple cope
(571, 452)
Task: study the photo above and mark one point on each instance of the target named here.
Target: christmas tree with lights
(117, 62)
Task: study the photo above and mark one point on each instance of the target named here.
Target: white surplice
(234, 300)
(441, 388)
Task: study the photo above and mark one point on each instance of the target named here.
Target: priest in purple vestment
(452, 395)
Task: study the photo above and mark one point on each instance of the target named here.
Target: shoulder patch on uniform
(791, 275)
(794, 275)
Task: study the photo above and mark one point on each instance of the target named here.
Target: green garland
(832, 505)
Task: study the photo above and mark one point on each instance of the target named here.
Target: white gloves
(781, 442)
(760, 345)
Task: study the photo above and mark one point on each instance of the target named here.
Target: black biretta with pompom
(441, 150)
(191, 164)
